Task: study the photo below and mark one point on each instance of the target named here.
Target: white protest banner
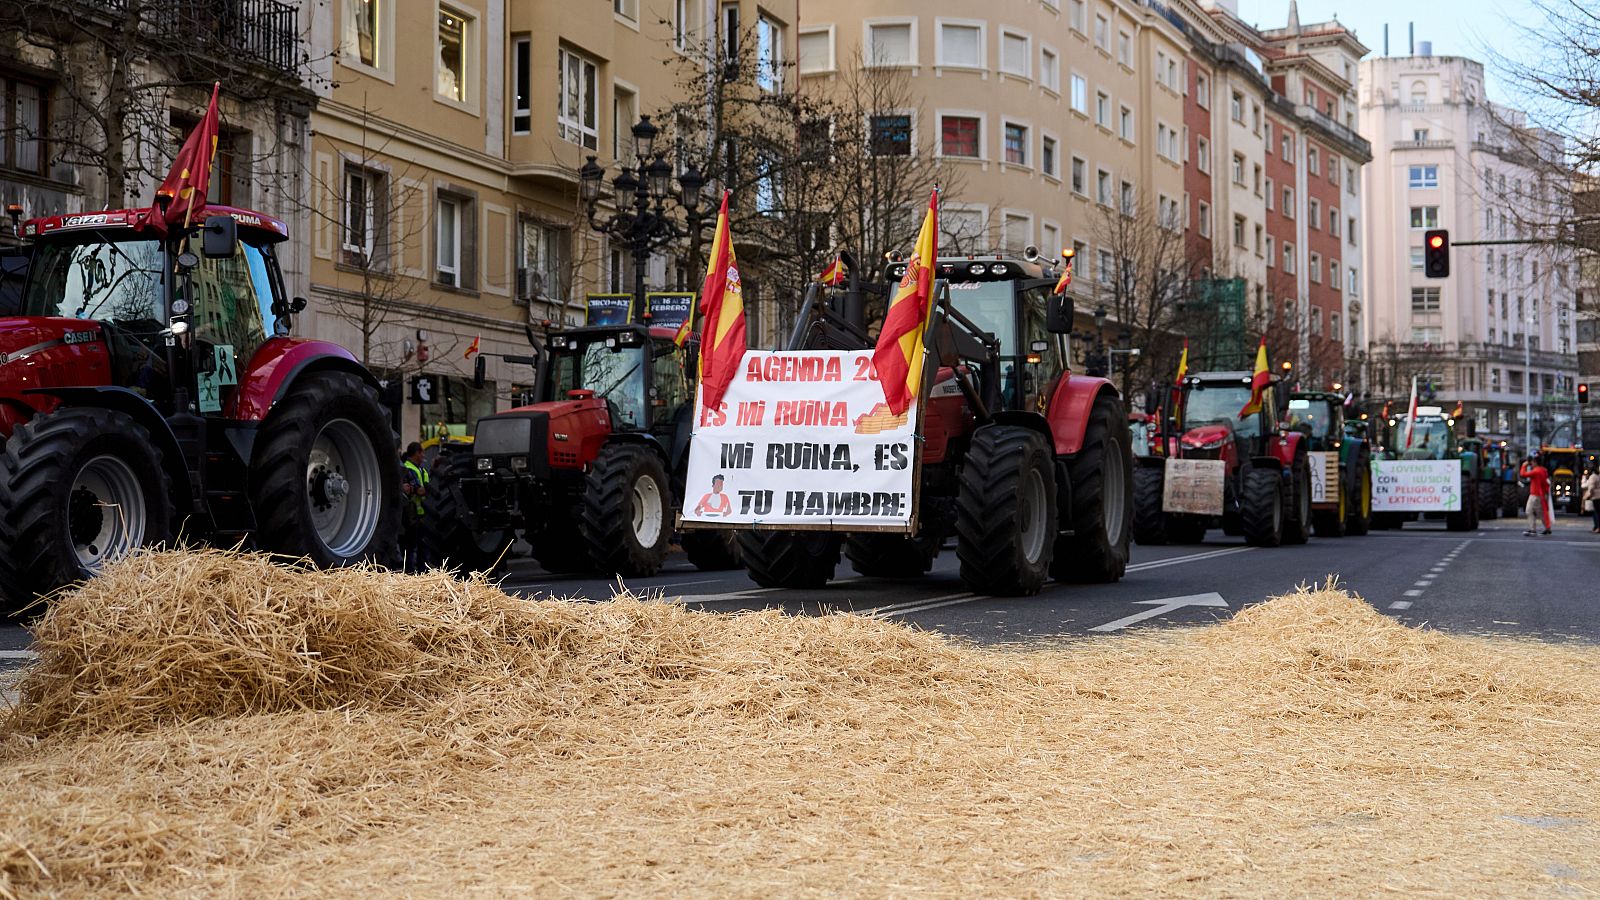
(1416, 485)
(802, 438)
(1193, 486)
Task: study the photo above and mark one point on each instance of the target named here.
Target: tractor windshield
(616, 373)
(1220, 403)
(1430, 439)
(1313, 417)
(994, 306)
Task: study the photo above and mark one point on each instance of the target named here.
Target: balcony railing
(254, 32)
(1332, 126)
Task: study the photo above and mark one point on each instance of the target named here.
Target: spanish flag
(898, 356)
(722, 341)
(1066, 272)
(834, 273)
(473, 349)
(1183, 363)
(1258, 382)
(1456, 413)
(190, 177)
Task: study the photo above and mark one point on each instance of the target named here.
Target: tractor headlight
(519, 463)
(485, 464)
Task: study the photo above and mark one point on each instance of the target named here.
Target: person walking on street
(1538, 478)
(414, 485)
(1591, 495)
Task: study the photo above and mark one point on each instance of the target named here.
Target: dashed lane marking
(1400, 604)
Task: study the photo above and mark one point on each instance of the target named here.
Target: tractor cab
(1319, 416)
(1209, 420)
(645, 379)
(1430, 436)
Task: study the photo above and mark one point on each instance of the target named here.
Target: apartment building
(443, 174)
(1499, 333)
(1052, 117)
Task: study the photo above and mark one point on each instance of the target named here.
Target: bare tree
(1143, 280)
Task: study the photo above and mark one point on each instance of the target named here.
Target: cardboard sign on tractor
(1419, 485)
(803, 439)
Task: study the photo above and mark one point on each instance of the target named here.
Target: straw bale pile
(208, 724)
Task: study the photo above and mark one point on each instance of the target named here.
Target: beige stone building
(442, 173)
(1049, 115)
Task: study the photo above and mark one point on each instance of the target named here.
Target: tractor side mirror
(1152, 402)
(480, 368)
(219, 238)
(1472, 427)
(1058, 314)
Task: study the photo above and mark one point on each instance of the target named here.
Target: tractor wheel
(1186, 529)
(626, 514)
(1006, 512)
(1150, 522)
(1465, 518)
(447, 536)
(1333, 522)
(790, 559)
(1297, 524)
(324, 475)
(1358, 513)
(892, 555)
(1261, 507)
(79, 488)
(1511, 504)
(1488, 500)
(1102, 493)
(713, 550)
(559, 546)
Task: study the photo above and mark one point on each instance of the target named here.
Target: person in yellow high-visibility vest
(414, 485)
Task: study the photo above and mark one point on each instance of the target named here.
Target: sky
(1456, 27)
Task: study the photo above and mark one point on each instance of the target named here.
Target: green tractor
(1435, 435)
(1341, 457)
(1491, 469)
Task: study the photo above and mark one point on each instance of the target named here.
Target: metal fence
(252, 32)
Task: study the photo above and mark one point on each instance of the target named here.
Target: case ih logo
(79, 221)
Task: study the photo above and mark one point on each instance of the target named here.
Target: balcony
(261, 33)
(1355, 144)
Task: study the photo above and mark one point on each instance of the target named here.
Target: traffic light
(1436, 253)
(1583, 392)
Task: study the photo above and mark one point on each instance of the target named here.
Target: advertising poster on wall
(803, 439)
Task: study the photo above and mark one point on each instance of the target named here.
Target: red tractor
(592, 473)
(1265, 472)
(1026, 464)
(143, 399)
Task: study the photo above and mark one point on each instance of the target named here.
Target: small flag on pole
(186, 185)
(1183, 363)
(1066, 271)
(1258, 382)
(834, 274)
(898, 355)
(473, 349)
(1411, 413)
(722, 339)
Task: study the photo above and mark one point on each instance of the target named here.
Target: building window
(1125, 49)
(1167, 213)
(579, 112)
(1016, 233)
(1314, 212)
(1080, 94)
(1077, 16)
(1424, 217)
(1050, 238)
(454, 30)
(363, 215)
(1355, 281)
(769, 55)
(542, 262)
(1423, 177)
(1202, 91)
(1286, 143)
(816, 50)
(521, 86)
(1316, 268)
(624, 112)
(1333, 220)
(628, 9)
(1288, 203)
(1419, 134)
(1416, 259)
(1238, 168)
(22, 126)
(1350, 178)
(1288, 257)
(1047, 157)
(1350, 229)
(684, 19)
(1238, 231)
(452, 241)
(1236, 108)
(1049, 69)
(1203, 152)
(891, 134)
(1333, 169)
(1102, 109)
(1313, 161)
(1424, 299)
(1080, 176)
(1127, 198)
(1102, 187)
(1125, 124)
(960, 46)
(1205, 219)
(1102, 33)
(361, 23)
(1333, 273)
(1255, 179)
(1257, 244)
(1271, 258)
(1016, 53)
(1016, 144)
(1269, 193)
(961, 136)
(891, 44)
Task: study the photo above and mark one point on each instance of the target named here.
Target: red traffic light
(1436, 242)
(1436, 253)
(1583, 393)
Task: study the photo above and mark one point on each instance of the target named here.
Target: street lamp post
(641, 223)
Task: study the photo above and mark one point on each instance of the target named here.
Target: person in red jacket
(1538, 478)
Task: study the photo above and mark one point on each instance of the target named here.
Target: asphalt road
(1492, 581)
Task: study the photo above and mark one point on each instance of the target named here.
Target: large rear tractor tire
(626, 513)
(1488, 500)
(1150, 522)
(1511, 500)
(790, 559)
(1261, 506)
(1358, 517)
(1332, 523)
(711, 550)
(1006, 512)
(1297, 524)
(79, 488)
(1465, 518)
(324, 478)
(447, 534)
(1101, 517)
(892, 555)
(559, 546)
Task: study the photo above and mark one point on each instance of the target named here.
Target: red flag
(1066, 272)
(473, 350)
(898, 356)
(1183, 363)
(186, 186)
(1258, 381)
(834, 273)
(722, 340)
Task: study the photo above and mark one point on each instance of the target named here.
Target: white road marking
(1400, 604)
(1162, 607)
(1193, 557)
(1413, 593)
(18, 654)
(1422, 584)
